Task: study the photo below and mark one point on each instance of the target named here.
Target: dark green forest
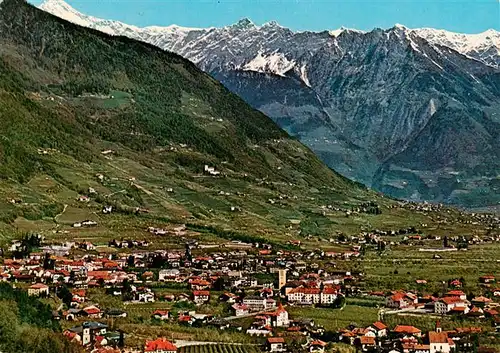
(26, 324)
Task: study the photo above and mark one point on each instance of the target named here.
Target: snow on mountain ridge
(337, 32)
(483, 46)
(275, 63)
(384, 107)
(461, 41)
(65, 11)
(245, 35)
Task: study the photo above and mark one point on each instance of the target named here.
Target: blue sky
(468, 16)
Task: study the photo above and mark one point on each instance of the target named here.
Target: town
(263, 298)
(249, 187)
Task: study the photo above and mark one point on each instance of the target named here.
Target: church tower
(438, 326)
(281, 278)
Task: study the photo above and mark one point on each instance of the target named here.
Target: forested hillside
(26, 325)
(77, 103)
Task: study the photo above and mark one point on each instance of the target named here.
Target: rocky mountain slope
(412, 112)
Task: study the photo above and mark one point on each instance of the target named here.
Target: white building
(305, 296)
(447, 304)
(255, 303)
(310, 296)
(439, 342)
(168, 275)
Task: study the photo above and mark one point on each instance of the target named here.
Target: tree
(65, 295)
(48, 263)
(462, 280)
(339, 302)
(294, 347)
(121, 341)
(445, 242)
(158, 261)
(219, 284)
(9, 323)
(131, 261)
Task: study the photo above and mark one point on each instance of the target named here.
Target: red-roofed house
(401, 300)
(279, 318)
(481, 301)
(456, 283)
(72, 336)
(317, 346)
(199, 284)
(379, 328)
(240, 309)
(487, 279)
(476, 312)
(408, 330)
(161, 345)
(328, 295)
(447, 304)
(161, 315)
(93, 312)
(366, 342)
(415, 347)
(201, 296)
(79, 295)
(456, 293)
(276, 344)
(491, 312)
(305, 296)
(309, 296)
(439, 342)
(38, 289)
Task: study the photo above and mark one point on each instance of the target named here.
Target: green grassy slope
(68, 93)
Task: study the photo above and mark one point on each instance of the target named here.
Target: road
(60, 214)
(243, 316)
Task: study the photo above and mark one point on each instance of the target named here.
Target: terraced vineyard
(220, 348)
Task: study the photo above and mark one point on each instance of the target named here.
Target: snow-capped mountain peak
(400, 27)
(406, 99)
(275, 63)
(338, 32)
(483, 46)
(272, 24)
(62, 9)
(270, 45)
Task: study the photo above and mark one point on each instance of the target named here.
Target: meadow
(335, 319)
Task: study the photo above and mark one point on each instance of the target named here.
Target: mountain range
(413, 113)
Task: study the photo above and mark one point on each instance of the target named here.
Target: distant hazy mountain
(412, 112)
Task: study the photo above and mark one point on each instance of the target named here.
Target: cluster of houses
(439, 211)
(255, 281)
(453, 302)
(377, 337)
(132, 275)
